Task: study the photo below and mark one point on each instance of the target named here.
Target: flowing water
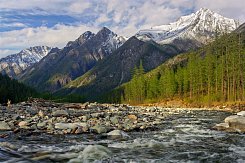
(185, 137)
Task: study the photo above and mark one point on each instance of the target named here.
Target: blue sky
(25, 23)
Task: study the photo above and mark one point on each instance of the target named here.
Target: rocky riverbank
(233, 123)
(37, 115)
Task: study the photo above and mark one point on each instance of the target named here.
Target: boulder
(92, 153)
(4, 126)
(72, 126)
(236, 123)
(221, 126)
(99, 129)
(117, 133)
(242, 113)
(60, 113)
(233, 123)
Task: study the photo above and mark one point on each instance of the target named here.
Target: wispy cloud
(56, 36)
(54, 22)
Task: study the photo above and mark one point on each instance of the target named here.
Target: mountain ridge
(76, 58)
(196, 26)
(15, 64)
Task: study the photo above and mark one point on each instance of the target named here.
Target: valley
(166, 93)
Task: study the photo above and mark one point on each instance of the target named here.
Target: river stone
(60, 113)
(84, 118)
(117, 133)
(242, 113)
(23, 124)
(99, 129)
(7, 145)
(40, 113)
(95, 115)
(94, 152)
(236, 122)
(16, 117)
(127, 126)
(81, 130)
(4, 126)
(72, 126)
(50, 127)
(114, 120)
(42, 125)
(221, 126)
(132, 117)
(228, 119)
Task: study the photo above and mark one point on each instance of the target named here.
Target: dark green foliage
(215, 73)
(74, 98)
(11, 89)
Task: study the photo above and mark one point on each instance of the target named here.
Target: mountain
(77, 57)
(117, 68)
(15, 64)
(214, 73)
(199, 27)
(153, 46)
(241, 29)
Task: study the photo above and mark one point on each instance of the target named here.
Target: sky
(26, 23)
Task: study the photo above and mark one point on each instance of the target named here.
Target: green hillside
(214, 73)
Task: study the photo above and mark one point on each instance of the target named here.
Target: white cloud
(78, 7)
(102, 18)
(126, 17)
(234, 9)
(14, 24)
(6, 52)
(70, 7)
(57, 36)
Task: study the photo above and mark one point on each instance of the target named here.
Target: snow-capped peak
(200, 26)
(81, 39)
(14, 64)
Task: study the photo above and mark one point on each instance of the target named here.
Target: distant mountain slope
(117, 68)
(58, 68)
(214, 73)
(200, 27)
(15, 64)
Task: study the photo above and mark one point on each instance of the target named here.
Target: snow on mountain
(113, 41)
(80, 40)
(201, 26)
(14, 64)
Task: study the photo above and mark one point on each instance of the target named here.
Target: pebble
(57, 118)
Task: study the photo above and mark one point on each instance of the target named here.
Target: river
(185, 137)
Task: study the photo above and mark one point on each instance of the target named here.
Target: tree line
(213, 73)
(11, 89)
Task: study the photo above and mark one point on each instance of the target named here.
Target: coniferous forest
(11, 89)
(214, 73)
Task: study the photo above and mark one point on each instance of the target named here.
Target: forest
(11, 89)
(214, 73)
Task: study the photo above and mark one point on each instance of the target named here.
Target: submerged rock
(92, 153)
